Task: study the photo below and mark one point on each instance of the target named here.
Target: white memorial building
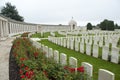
(9, 27)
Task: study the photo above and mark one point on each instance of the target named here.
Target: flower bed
(25, 34)
(33, 65)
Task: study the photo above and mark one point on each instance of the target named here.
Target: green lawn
(38, 35)
(58, 35)
(96, 62)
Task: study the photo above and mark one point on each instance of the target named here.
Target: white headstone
(86, 40)
(82, 40)
(90, 41)
(42, 47)
(105, 52)
(56, 41)
(50, 52)
(88, 68)
(73, 62)
(100, 43)
(63, 59)
(68, 43)
(79, 39)
(37, 44)
(82, 47)
(88, 49)
(76, 46)
(105, 75)
(115, 55)
(107, 43)
(71, 44)
(61, 40)
(95, 51)
(46, 50)
(56, 56)
(64, 42)
(114, 44)
(95, 41)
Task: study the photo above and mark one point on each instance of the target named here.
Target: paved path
(5, 47)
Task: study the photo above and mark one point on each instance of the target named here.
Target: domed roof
(72, 21)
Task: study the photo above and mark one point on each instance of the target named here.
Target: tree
(116, 26)
(11, 12)
(107, 25)
(89, 26)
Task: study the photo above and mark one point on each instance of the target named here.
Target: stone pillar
(21, 28)
(13, 27)
(10, 28)
(1, 28)
(17, 28)
(7, 31)
(3, 25)
(13, 31)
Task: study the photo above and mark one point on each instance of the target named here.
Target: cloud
(61, 11)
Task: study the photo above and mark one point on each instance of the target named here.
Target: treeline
(104, 25)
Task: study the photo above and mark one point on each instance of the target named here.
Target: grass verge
(96, 62)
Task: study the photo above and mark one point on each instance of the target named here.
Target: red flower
(35, 54)
(72, 69)
(22, 59)
(66, 67)
(22, 76)
(22, 65)
(26, 68)
(15, 54)
(29, 74)
(14, 46)
(80, 69)
(20, 71)
(45, 73)
(18, 42)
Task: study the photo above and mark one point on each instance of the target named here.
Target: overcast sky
(61, 11)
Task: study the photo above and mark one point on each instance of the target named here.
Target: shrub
(25, 34)
(35, 66)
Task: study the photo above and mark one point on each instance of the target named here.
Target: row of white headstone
(62, 59)
(101, 40)
(93, 32)
(92, 50)
(52, 33)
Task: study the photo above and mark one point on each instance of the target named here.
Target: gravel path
(5, 47)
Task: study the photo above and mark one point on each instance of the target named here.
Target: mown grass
(58, 35)
(38, 35)
(96, 62)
